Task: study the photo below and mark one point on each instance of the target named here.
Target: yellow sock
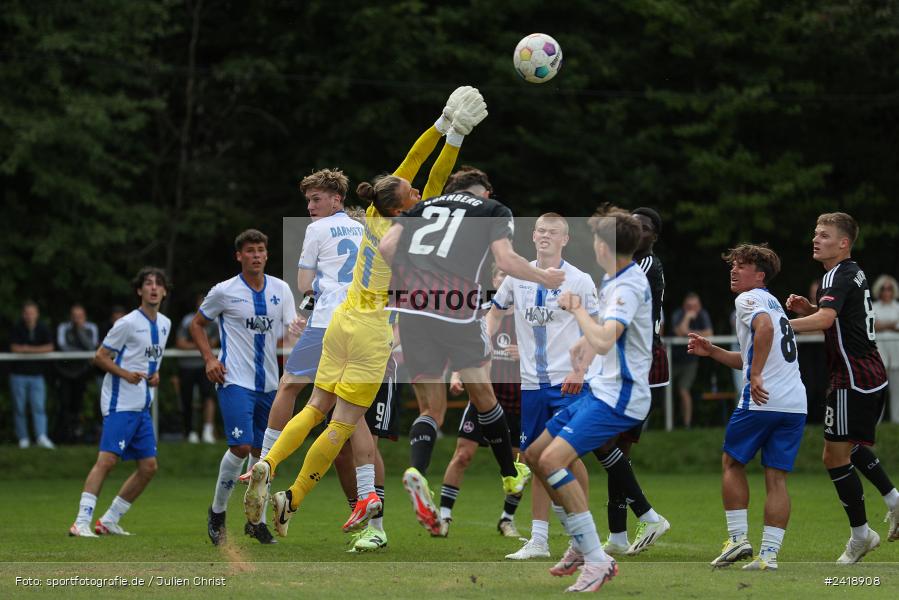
(294, 434)
(319, 458)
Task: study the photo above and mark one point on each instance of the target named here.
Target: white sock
(860, 533)
(365, 480)
(377, 523)
(86, 508)
(563, 518)
(619, 538)
(229, 471)
(650, 516)
(892, 499)
(446, 512)
(772, 539)
(737, 522)
(506, 516)
(268, 440)
(583, 532)
(116, 510)
(540, 531)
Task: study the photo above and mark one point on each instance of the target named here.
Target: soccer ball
(537, 58)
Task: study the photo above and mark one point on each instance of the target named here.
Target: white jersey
(250, 325)
(329, 248)
(781, 371)
(622, 380)
(545, 332)
(138, 344)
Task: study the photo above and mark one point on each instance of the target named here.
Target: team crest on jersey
(538, 315)
(555, 293)
(275, 300)
(503, 340)
(468, 426)
(164, 330)
(154, 352)
(122, 445)
(236, 433)
(260, 324)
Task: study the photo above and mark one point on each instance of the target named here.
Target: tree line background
(151, 132)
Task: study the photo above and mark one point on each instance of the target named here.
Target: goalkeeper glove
(471, 111)
(449, 111)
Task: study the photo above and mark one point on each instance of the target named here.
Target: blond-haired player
(358, 341)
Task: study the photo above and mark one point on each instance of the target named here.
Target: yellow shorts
(355, 351)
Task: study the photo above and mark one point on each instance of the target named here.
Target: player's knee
(547, 463)
(463, 457)
(106, 461)
(148, 468)
(241, 451)
(531, 457)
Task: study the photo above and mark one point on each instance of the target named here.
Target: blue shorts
(778, 434)
(245, 413)
(539, 406)
(588, 424)
(129, 434)
(306, 354)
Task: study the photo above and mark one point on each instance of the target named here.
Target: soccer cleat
(259, 532)
(593, 576)
(215, 527)
(506, 528)
(734, 549)
(368, 540)
(364, 509)
(444, 527)
(892, 521)
(762, 564)
(257, 491)
(423, 504)
(647, 534)
(856, 550)
(571, 562)
(531, 549)
(81, 530)
(283, 512)
(611, 548)
(44, 442)
(193, 438)
(515, 484)
(101, 528)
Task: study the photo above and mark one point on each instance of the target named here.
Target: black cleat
(259, 532)
(215, 527)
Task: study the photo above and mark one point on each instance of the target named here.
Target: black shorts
(470, 427)
(383, 417)
(851, 416)
(431, 346)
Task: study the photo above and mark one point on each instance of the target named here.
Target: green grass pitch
(41, 490)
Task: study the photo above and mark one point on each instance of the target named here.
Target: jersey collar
(264, 283)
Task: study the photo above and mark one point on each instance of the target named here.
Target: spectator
(690, 318)
(192, 373)
(76, 335)
(813, 368)
(26, 379)
(115, 313)
(886, 324)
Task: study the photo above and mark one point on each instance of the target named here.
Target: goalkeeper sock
(318, 459)
(295, 433)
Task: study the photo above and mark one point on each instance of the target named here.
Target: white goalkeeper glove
(471, 111)
(449, 111)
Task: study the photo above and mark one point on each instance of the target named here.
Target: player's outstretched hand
(698, 345)
(757, 390)
(455, 100)
(568, 300)
(471, 110)
(215, 371)
(799, 305)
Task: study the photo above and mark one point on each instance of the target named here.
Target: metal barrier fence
(670, 342)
